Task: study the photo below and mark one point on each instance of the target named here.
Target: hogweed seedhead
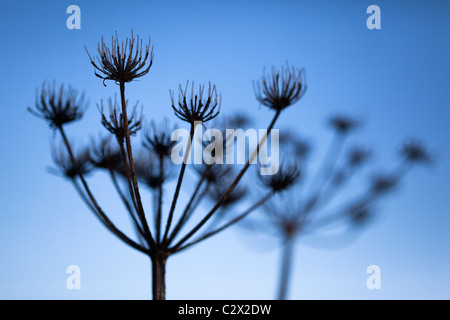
(106, 156)
(158, 139)
(218, 190)
(343, 124)
(114, 121)
(124, 61)
(58, 106)
(214, 174)
(415, 152)
(357, 156)
(286, 177)
(383, 183)
(68, 167)
(148, 170)
(281, 88)
(196, 107)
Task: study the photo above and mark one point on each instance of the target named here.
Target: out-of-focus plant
(162, 233)
(326, 201)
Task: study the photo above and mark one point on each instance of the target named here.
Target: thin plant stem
(178, 187)
(187, 209)
(230, 223)
(127, 171)
(110, 226)
(160, 199)
(126, 203)
(232, 186)
(286, 267)
(140, 212)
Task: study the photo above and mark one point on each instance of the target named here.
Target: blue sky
(396, 79)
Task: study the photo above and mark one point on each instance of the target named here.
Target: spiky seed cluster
(383, 183)
(214, 174)
(415, 152)
(158, 139)
(281, 88)
(358, 156)
(68, 168)
(343, 124)
(217, 192)
(114, 121)
(196, 107)
(123, 61)
(148, 171)
(287, 176)
(359, 214)
(58, 106)
(105, 156)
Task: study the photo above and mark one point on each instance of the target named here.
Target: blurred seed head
(360, 214)
(106, 156)
(287, 176)
(218, 190)
(281, 88)
(113, 122)
(66, 167)
(158, 138)
(343, 124)
(383, 183)
(214, 174)
(414, 151)
(358, 156)
(58, 106)
(148, 170)
(196, 107)
(123, 61)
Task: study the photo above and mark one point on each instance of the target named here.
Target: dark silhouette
(123, 62)
(311, 203)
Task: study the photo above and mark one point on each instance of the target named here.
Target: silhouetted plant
(307, 208)
(122, 63)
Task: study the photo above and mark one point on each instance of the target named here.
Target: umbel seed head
(196, 107)
(124, 61)
(114, 122)
(281, 88)
(69, 167)
(58, 106)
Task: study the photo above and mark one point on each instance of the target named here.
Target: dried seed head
(218, 190)
(114, 122)
(58, 106)
(415, 152)
(196, 107)
(214, 174)
(123, 61)
(68, 168)
(148, 170)
(358, 156)
(360, 214)
(286, 177)
(280, 89)
(106, 156)
(343, 124)
(383, 183)
(158, 139)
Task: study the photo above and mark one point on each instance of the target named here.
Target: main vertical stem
(286, 266)
(159, 276)
(140, 209)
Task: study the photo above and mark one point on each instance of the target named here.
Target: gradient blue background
(396, 78)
